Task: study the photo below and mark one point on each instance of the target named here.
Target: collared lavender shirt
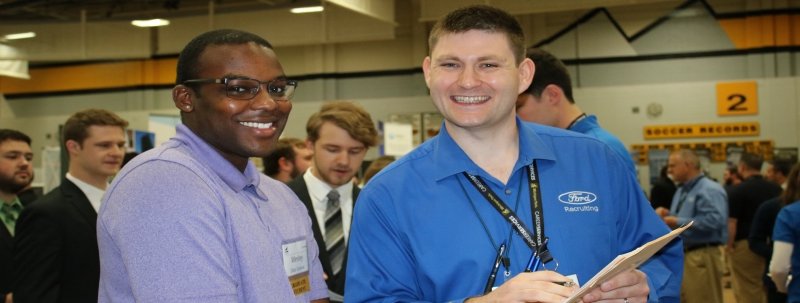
(182, 224)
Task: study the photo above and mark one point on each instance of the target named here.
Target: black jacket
(335, 283)
(56, 257)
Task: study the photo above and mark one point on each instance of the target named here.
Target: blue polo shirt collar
(454, 160)
(586, 124)
(229, 174)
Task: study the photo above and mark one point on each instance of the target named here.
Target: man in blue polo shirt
(193, 220)
(431, 226)
(549, 101)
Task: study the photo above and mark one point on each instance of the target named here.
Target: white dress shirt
(318, 190)
(94, 194)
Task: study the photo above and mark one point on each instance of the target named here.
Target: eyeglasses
(246, 89)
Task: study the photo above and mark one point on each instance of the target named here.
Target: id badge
(295, 262)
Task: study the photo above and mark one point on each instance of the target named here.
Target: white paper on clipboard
(627, 261)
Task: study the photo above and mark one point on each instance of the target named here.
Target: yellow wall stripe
(134, 73)
(763, 31)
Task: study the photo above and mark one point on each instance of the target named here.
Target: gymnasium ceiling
(37, 11)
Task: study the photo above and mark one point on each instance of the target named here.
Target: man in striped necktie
(339, 135)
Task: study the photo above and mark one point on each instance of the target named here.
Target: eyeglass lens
(279, 89)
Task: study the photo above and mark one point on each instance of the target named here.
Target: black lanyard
(537, 211)
(685, 193)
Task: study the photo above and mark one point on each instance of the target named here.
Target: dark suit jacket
(335, 282)
(56, 257)
(6, 253)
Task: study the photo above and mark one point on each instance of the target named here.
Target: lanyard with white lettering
(537, 211)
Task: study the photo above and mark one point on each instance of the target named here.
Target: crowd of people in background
(194, 220)
(750, 202)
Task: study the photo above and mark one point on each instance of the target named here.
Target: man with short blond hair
(339, 135)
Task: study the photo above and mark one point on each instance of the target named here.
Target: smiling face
(237, 129)
(474, 80)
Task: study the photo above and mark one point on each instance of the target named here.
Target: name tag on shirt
(295, 262)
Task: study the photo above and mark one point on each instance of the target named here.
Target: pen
(565, 283)
(493, 274)
(535, 260)
(533, 263)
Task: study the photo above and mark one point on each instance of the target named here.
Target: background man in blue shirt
(423, 230)
(703, 201)
(548, 101)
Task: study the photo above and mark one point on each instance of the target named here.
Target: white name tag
(295, 263)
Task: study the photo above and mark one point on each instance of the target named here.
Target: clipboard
(627, 261)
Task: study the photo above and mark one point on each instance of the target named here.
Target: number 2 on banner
(737, 98)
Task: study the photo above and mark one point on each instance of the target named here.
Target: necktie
(334, 232)
(10, 214)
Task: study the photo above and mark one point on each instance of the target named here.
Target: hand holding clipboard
(627, 261)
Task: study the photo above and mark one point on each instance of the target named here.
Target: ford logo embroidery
(577, 197)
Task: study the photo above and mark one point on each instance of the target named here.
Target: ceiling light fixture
(150, 23)
(18, 36)
(307, 9)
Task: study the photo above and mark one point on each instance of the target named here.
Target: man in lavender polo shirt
(193, 220)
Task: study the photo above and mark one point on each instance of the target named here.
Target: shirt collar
(229, 174)
(318, 190)
(690, 184)
(584, 124)
(453, 160)
(93, 194)
(12, 203)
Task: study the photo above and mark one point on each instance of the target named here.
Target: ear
(182, 97)
(72, 146)
(554, 93)
(309, 144)
(426, 70)
(285, 165)
(526, 71)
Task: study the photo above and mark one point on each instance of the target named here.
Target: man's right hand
(662, 212)
(537, 286)
(9, 298)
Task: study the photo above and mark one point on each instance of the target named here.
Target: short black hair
(15, 135)
(752, 161)
(188, 65)
(549, 70)
(484, 18)
(283, 149)
(784, 166)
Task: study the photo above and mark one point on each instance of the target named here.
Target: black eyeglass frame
(225, 81)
